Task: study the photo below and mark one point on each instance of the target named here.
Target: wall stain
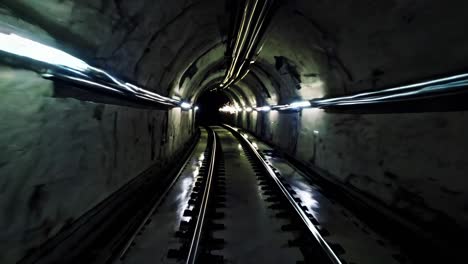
(189, 73)
(262, 85)
(37, 200)
(375, 77)
(98, 112)
(390, 175)
(441, 123)
(311, 75)
(115, 139)
(449, 191)
(286, 65)
(151, 128)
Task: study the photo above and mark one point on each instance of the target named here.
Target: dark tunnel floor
(158, 238)
(251, 233)
(360, 242)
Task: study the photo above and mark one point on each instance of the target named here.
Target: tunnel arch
(249, 97)
(254, 90)
(190, 80)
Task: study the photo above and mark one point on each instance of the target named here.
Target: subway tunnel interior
(366, 96)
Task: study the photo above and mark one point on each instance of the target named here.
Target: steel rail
(313, 230)
(156, 205)
(195, 242)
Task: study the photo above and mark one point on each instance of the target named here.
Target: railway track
(233, 208)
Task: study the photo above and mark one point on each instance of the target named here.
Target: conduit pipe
(246, 39)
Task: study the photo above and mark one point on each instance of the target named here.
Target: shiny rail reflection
(297, 207)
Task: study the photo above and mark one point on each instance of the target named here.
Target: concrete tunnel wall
(61, 147)
(60, 157)
(413, 163)
(390, 157)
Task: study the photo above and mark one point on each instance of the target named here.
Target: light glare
(264, 109)
(185, 105)
(301, 104)
(20, 46)
(230, 109)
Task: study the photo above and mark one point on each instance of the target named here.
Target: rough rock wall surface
(328, 48)
(414, 162)
(60, 157)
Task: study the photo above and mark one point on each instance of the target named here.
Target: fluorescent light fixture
(28, 49)
(196, 108)
(185, 105)
(316, 132)
(300, 104)
(264, 108)
(248, 109)
(20, 46)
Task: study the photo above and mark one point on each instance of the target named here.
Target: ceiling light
(264, 108)
(229, 109)
(300, 104)
(185, 105)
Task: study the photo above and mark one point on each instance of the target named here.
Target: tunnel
(233, 131)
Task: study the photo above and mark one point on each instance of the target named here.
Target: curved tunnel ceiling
(311, 48)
